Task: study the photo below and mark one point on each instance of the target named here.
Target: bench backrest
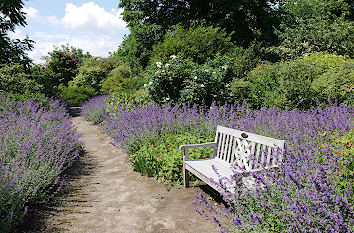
(236, 147)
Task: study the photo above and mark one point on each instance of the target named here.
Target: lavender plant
(37, 144)
(305, 194)
(94, 110)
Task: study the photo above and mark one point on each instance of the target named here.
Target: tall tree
(249, 20)
(314, 26)
(13, 50)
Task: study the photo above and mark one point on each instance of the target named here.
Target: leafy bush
(37, 145)
(244, 59)
(120, 79)
(337, 82)
(76, 96)
(315, 26)
(343, 157)
(296, 83)
(107, 64)
(89, 77)
(15, 79)
(197, 43)
(63, 65)
(136, 48)
(181, 81)
(162, 159)
(96, 69)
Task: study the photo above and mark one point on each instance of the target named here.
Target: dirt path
(114, 198)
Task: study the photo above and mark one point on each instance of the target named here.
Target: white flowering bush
(181, 80)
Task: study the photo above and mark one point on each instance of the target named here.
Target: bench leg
(186, 178)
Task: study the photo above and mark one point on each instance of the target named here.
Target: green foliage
(162, 159)
(197, 43)
(166, 81)
(76, 96)
(136, 47)
(95, 70)
(314, 26)
(14, 78)
(316, 35)
(107, 63)
(90, 77)
(244, 59)
(250, 20)
(79, 53)
(180, 81)
(337, 82)
(296, 83)
(63, 65)
(344, 158)
(129, 100)
(120, 79)
(13, 51)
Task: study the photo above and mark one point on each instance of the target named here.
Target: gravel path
(111, 197)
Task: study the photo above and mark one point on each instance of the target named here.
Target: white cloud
(31, 13)
(95, 45)
(91, 17)
(41, 48)
(17, 34)
(47, 37)
(52, 19)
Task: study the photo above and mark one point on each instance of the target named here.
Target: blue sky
(94, 26)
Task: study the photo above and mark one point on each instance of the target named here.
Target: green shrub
(337, 83)
(126, 99)
(197, 43)
(15, 79)
(107, 64)
(76, 96)
(37, 97)
(90, 77)
(244, 59)
(63, 64)
(162, 159)
(120, 79)
(208, 82)
(300, 83)
(180, 81)
(344, 158)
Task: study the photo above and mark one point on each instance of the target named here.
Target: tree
(314, 26)
(13, 50)
(249, 20)
(79, 53)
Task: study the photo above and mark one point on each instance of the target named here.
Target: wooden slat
(258, 154)
(252, 137)
(269, 155)
(226, 147)
(219, 144)
(263, 151)
(253, 163)
(222, 145)
(228, 155)
(234, 154)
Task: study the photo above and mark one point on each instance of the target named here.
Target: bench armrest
(186, 147)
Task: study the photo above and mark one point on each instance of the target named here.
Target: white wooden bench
(232, 146)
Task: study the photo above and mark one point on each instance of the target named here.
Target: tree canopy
(13, 50)
(249, 20)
